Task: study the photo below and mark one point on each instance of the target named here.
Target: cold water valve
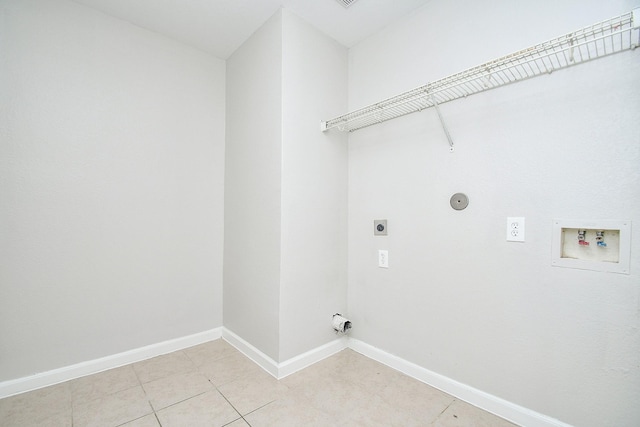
(600, 239)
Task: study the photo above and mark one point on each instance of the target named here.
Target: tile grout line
(196, 370)
(268, 403)
(153, 410)
(178, 402)
(225, 398)
(145, 415)
(234, 408)
(155, 414)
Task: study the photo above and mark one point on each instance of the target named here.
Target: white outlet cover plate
(383, 258)
(515, 229)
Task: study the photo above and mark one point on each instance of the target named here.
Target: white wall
(111, 181)
(286, 189)
(111, 187)
(253, 189)
(314, 188)
(457, 298)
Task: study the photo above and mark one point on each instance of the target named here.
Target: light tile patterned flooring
(213, 384)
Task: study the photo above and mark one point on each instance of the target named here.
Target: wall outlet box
(603, 245)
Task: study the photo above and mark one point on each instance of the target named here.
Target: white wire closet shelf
(595, 41)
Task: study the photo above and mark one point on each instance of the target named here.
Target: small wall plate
(379, 227)
(459, 201)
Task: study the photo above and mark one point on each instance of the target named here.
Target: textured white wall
(253, 188)
(286, 188)
(111, 187)
(111, 175)
(457, 298)
(314, 188)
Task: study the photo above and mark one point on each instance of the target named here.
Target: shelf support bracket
(444, 126)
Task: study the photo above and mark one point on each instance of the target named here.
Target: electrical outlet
(515, 229)
(383, 259)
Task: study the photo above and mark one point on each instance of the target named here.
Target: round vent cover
(459, 201)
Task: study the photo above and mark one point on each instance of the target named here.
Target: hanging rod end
(635, 18)
(323, 126)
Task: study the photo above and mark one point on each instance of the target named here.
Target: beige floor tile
(208, 409)
(228, 369)
(335, 396)
(337, 363)
(343, 360)
(238, 423)
(351, 366)
(290, 410)
(332, 366)
(163, 366)
(300, 378)
(377, 413)
(167, 391)
(368, 373)
(56, 396)
(418, 400)
(252, 392)
(37, 419)
(46, 406)
(112, 410)
(309, 374)
(210, 351)
(146, 421)
(104, 383)
(346, 389)
(462, 414)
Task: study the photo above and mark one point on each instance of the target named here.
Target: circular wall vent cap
(459, 201)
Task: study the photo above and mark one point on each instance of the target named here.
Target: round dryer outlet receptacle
(459, 201)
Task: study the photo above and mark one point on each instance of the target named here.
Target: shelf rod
(444, 126)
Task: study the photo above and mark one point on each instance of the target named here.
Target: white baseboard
(503, 408)
(261, 359)
(55, 376)
(303, 360)
(500, 407)
(288, 367)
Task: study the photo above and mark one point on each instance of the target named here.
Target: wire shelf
(595, 41)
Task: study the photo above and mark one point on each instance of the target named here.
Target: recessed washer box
(603, 245)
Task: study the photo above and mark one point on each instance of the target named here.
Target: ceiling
(221, 26)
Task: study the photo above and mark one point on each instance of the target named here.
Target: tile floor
(215, 385)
